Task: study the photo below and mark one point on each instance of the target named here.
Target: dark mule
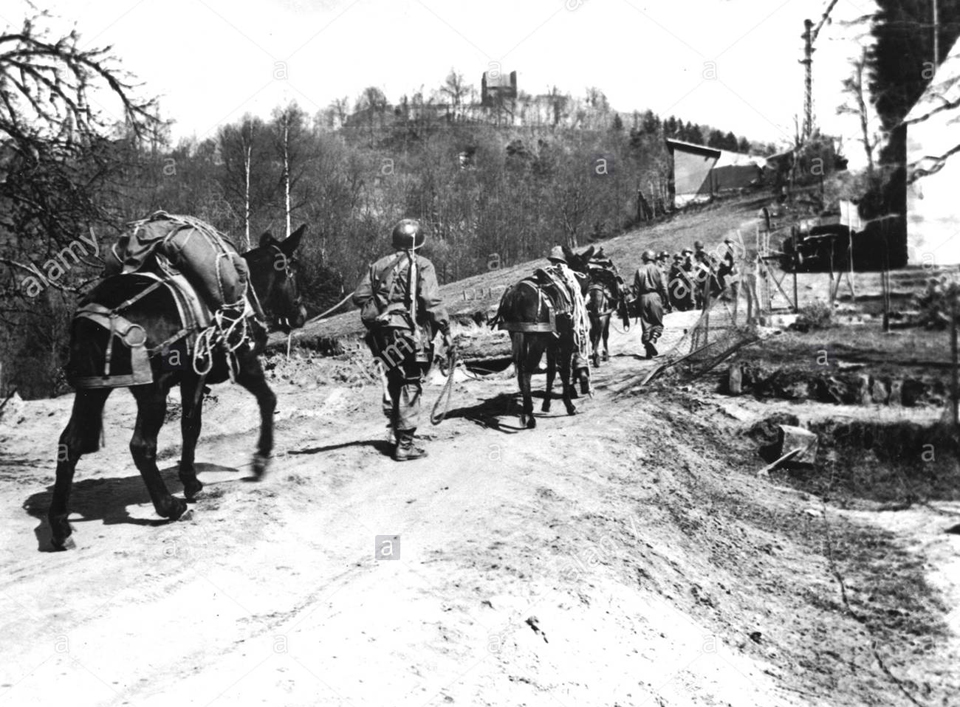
(605, 295)
(527, 311)
(156, 310)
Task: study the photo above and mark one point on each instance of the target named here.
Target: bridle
(288, 272)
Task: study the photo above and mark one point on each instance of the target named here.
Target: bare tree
(341, 109)
(374, 103)
(854, 88)
(455, 88)
(238, 146)
(71, 126)
(58, 147)
(558, 105)
(295, 149)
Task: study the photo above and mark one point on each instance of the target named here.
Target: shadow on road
(106, 501)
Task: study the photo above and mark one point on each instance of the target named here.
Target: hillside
(482, 292)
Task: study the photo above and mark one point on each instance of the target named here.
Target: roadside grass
(845, 344)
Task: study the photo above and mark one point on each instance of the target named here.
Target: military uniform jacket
(649, 280)
(384, 294)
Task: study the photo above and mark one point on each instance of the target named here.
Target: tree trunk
(246, 195)
(286, 174)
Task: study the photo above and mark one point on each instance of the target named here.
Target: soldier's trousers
(403, 375)
(651, 316)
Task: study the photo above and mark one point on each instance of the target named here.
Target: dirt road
(624, 556)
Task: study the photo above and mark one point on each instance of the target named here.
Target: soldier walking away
(728, 274)
(651, 293)
(682, 287)
(401, 307)
(705, 275)
(572, 280)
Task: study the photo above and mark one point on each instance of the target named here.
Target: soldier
(684, 287)
(727, 271)
(705, 275)
(402, 320)
(651, 293)
(662, 262)
(562, 271)
(677, 288)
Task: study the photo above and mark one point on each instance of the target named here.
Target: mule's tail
(502, 308)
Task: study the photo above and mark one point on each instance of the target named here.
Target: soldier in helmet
(561, 269)
(651, 294)
(400, 305)
(704, 272)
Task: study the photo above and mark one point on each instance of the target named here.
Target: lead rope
(447, 391)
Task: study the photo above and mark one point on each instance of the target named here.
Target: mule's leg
(191, 400)
(151, 409)
(81, 435)
(526, 413)
(596, 330)
(551, 374)
(522, 361)
(251, 377)
(605, 327)
(566, 353)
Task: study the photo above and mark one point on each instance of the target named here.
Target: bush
(938, 302)
(818, 315)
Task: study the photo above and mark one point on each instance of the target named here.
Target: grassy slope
(482, 292)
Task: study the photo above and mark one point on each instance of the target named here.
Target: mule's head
(578, 261)
(273, 275)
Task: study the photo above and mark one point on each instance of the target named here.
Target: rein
(447, 391)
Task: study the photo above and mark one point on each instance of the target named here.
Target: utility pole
(936, 35)
(809, 36)
(807, 62)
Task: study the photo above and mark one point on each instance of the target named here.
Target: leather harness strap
(549, 327)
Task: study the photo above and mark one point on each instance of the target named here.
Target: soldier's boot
(651, 349)
(406, 451)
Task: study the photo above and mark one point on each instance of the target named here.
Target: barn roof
(691, 147)
(943, 93)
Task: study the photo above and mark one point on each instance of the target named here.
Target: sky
(732, 64)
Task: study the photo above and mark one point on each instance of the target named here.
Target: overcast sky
(211, 61)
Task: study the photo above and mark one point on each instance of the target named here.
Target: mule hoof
(177, 507)
(62, 544)
(191, 491)
(572, 410)
(546, 406)
(596, 361)
(531, 423)
(60, 532)
(260, 464)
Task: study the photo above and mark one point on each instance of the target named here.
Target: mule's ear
(587, 254)
(266, 239)
(568, 254)
(289, 245)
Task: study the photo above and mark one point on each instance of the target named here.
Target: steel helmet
(698, 245)
(557, 255)
(407, 235)
(648, 255)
